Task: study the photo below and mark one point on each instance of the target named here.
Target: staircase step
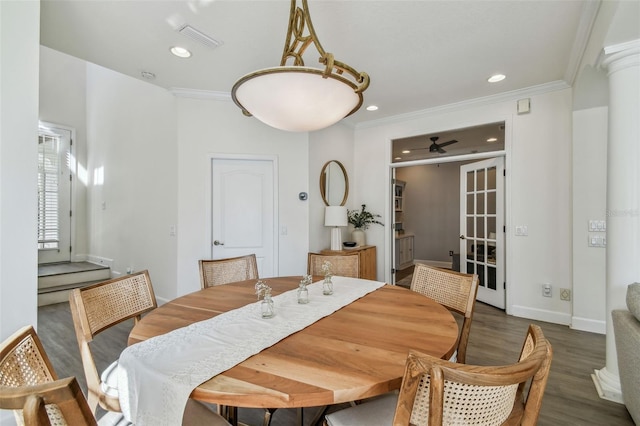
(67, 286)
(60, 294)
(56, 280)
(66, 274)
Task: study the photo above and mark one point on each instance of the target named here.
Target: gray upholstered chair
(626, 328)
(437, 392)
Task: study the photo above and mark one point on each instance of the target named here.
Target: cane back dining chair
(343, 266)
(30, 386)
(224, 271)
(100, 306)
(455, 291)
(437, 392)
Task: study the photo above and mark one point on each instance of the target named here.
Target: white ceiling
(419, 54)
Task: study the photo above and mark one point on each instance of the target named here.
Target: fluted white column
(623, 195)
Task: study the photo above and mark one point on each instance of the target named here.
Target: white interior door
(482, 227)
(54, 194)
(244, 211)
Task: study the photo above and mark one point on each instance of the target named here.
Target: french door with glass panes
(482, 227)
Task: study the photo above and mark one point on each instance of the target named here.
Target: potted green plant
(361, 220)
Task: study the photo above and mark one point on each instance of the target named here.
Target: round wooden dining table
(357, 352)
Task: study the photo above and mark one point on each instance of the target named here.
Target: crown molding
(583, 34)
(458, 106)
(631, 46)
(200, 94)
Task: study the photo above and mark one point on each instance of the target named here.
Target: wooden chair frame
(531, 371)
(223, 271)
(98, 307)
(344, 266)
(454, 290)
(65, 394)
(29, 383)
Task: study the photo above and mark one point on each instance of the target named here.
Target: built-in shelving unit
(398, 200)
(399, 194)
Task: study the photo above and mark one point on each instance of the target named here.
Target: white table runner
(156, 377)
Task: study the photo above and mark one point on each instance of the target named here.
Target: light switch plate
(522, 230)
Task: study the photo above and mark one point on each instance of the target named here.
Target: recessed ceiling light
(398, 158)
(496, 78)
(180, 52)
(492, 140)
(406, 151)
(372, 108)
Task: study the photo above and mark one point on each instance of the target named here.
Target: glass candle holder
(266, 307)
(327, 285)
(303, 293)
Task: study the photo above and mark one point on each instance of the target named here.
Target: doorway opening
(55, 186)
(450, 207)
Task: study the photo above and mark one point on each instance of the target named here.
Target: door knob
(217, 243)
(462, 237)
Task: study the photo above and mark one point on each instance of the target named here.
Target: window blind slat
(48, 173)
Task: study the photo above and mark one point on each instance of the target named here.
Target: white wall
(133, 178)
(538, 189)
(332, 143)
(19, 40)
(63, 101)
(589, 203)
(206, 127)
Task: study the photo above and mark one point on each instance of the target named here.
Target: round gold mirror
(334, 184)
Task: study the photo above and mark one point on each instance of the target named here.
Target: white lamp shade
(296, 99)
(335, 216)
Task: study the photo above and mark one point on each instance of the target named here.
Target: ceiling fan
(435, 147)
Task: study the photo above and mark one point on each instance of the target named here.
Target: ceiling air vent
(199, 36)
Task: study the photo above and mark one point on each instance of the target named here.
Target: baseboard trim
(586, 324)
(100, 260)
(607, 385)
(161, 300)
(436, 263)
(540, 314)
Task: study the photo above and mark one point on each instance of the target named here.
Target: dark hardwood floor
(570, 397)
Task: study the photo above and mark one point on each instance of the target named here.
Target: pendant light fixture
(295, 97)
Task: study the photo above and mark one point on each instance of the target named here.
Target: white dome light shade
(296, 99)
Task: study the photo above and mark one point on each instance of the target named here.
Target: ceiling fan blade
(448, 143)
(441, 151)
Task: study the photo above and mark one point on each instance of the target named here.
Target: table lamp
(335, 216)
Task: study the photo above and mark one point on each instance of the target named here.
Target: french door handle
(217, 243)
(462, 237)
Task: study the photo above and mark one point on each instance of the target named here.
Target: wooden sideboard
(367, 260)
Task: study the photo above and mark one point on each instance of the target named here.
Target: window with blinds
(48, 181)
